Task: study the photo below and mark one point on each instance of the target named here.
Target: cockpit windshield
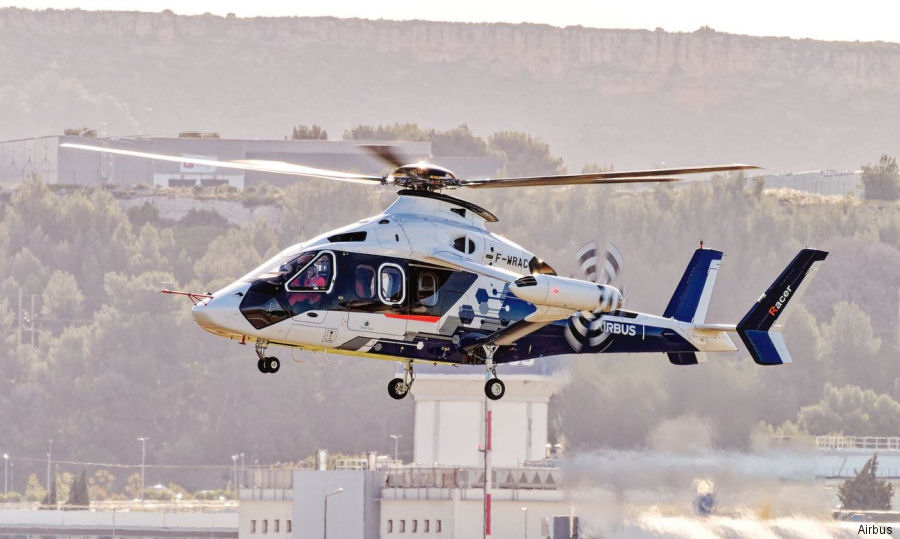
(279, 267)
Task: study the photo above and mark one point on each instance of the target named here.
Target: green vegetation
(865, 491)
(882, 180)
(112, 359)
(313, 132)
(78, 492)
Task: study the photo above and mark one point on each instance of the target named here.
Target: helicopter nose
(221, 314)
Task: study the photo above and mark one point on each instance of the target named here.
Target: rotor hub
(424, 177)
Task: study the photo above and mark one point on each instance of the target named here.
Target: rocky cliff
(632, 98)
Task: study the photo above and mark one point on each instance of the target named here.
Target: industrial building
(124, 522)
(43, 157)
(441, 493)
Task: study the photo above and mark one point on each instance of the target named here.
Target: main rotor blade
(386, 153)
(631, 176)
(256, 165)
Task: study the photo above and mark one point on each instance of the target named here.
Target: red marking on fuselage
(415, 317)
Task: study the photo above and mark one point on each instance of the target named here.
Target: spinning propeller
(421, 175)
(585, 327)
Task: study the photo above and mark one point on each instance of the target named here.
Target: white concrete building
(171, 522)
(441, 494)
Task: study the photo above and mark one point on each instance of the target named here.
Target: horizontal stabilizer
(767, 348)
(763, 341)
(682, 358)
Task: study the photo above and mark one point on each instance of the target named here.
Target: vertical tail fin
(690, 301)
(765, 345)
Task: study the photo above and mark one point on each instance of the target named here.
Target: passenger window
(365, 282)
(315, 277)
(392, 287)
(427, 294)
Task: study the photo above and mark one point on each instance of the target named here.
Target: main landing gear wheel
(397, 388)
(268, 365)
(494, 389)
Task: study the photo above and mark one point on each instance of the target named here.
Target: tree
(62, 298)
(851, 410)
(881, 181)
(525, 155)
(34, 490)
(50, 498)
(101, 485)
(133, 486)
(397, 131)
(459, 142)
(851, 347)
(866, 491)
(78, 493)
(313, 132)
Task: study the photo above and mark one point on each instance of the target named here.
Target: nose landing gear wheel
(397, 388)
(268, 365)
(494, 389)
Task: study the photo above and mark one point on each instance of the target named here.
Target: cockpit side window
(316, 276)
(279, 268)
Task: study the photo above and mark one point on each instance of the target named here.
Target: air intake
(526, 281)
(348, 236)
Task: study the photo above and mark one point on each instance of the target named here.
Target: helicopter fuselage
(425, 281)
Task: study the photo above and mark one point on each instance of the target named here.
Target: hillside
(632, 98)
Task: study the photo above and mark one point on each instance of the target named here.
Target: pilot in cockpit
(313, 279)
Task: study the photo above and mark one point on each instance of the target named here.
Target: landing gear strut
(494, 388)
(266, 364)
(399, 387)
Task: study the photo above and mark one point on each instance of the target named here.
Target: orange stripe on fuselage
(415, 317)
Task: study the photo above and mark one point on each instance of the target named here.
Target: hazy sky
(864, 20)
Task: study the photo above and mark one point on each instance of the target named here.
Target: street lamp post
(242, 471)
(143, 440)
(396, 438)
(49, 458)
(5, 473)
(525, 521)
(234, 459)
(325, 519)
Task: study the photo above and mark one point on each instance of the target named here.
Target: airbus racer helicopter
(426, 281)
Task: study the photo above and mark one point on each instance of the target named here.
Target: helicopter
(427, 281)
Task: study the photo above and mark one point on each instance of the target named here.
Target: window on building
(427, 526)
(265, 526)
(402, 526)
(276, 525)
(252, 526)
(390, 526)
(437, 526)
(415, 526)
(287, 525)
